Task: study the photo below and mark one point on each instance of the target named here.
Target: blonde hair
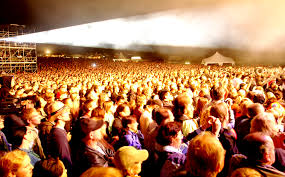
(246, 172)
(11, 161)
(102, 172)
(205, 155)
(264, 122)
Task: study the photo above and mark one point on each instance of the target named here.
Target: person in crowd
(92, 152)
(129, 160)
(50, 168)
(32, 119)
(244, 172)
(5, 146)
(166, 98)
(102, 172)
(22, 139)
(57, 145)
(131, 136)
(205, 157)
(260, 152)
(161, 116)
(12, 122)
(168, 153)
(123, 110)
(243, 128)
(16, 163)
(109, 114)
(183, 113)
(146, 121)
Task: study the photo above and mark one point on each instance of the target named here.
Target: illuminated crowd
(148, 119)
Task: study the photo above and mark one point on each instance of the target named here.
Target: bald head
(259, 147)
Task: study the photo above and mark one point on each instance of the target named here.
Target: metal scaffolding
(16, 56)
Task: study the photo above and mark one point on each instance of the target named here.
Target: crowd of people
(144, 119)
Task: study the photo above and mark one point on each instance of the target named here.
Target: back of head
(254, 109)
(181, 105)
(18, 136)
(11, 161)
(205, 155)
(220, 110)
(246, 172)
(264, 122)
(102, 172)
(160, 115)
(255, 145)
(217, 93)
(49, 167)
(259, 98)
(167, 132)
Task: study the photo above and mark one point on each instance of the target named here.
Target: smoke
(256, 27)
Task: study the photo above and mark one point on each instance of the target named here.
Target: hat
(55, 108)
(88, 125)
(128, 156)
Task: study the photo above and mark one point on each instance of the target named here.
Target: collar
(171, 149)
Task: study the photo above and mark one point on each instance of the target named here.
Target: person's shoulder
(177, 157)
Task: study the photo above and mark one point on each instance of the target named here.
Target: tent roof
(217, 58)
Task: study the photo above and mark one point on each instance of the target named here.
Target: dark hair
(167, 132)
(217, 93)
(160, 114)
(219, 110)
(48, 168)
(119, 109)
(162, 94)
(258, 99)
(180, 104)
(18, 136)
(254, 109)
(128, 120)
(98, 112)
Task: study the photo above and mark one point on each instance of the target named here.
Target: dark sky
(252, 25)
(50, 14)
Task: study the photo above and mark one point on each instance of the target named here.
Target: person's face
(26, 168)
(35, 118)
(126, 112)
(270, 151)
(65, 115)
(178, 139)
(171, 117)
(133, 126)
(97, 134)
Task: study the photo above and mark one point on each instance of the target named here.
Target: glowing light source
(48, 52)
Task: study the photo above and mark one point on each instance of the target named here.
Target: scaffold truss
(15, 56)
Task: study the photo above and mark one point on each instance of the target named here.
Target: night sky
(241, 29)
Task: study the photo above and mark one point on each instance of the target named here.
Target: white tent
(218, 59)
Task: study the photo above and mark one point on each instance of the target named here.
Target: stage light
(93, 65)
(170, 28)
(48, 52)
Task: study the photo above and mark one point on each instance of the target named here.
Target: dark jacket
(58, 147)
(88, 157)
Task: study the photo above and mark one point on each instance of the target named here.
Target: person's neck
(32, 126)
(91, 143)
(60, 124)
